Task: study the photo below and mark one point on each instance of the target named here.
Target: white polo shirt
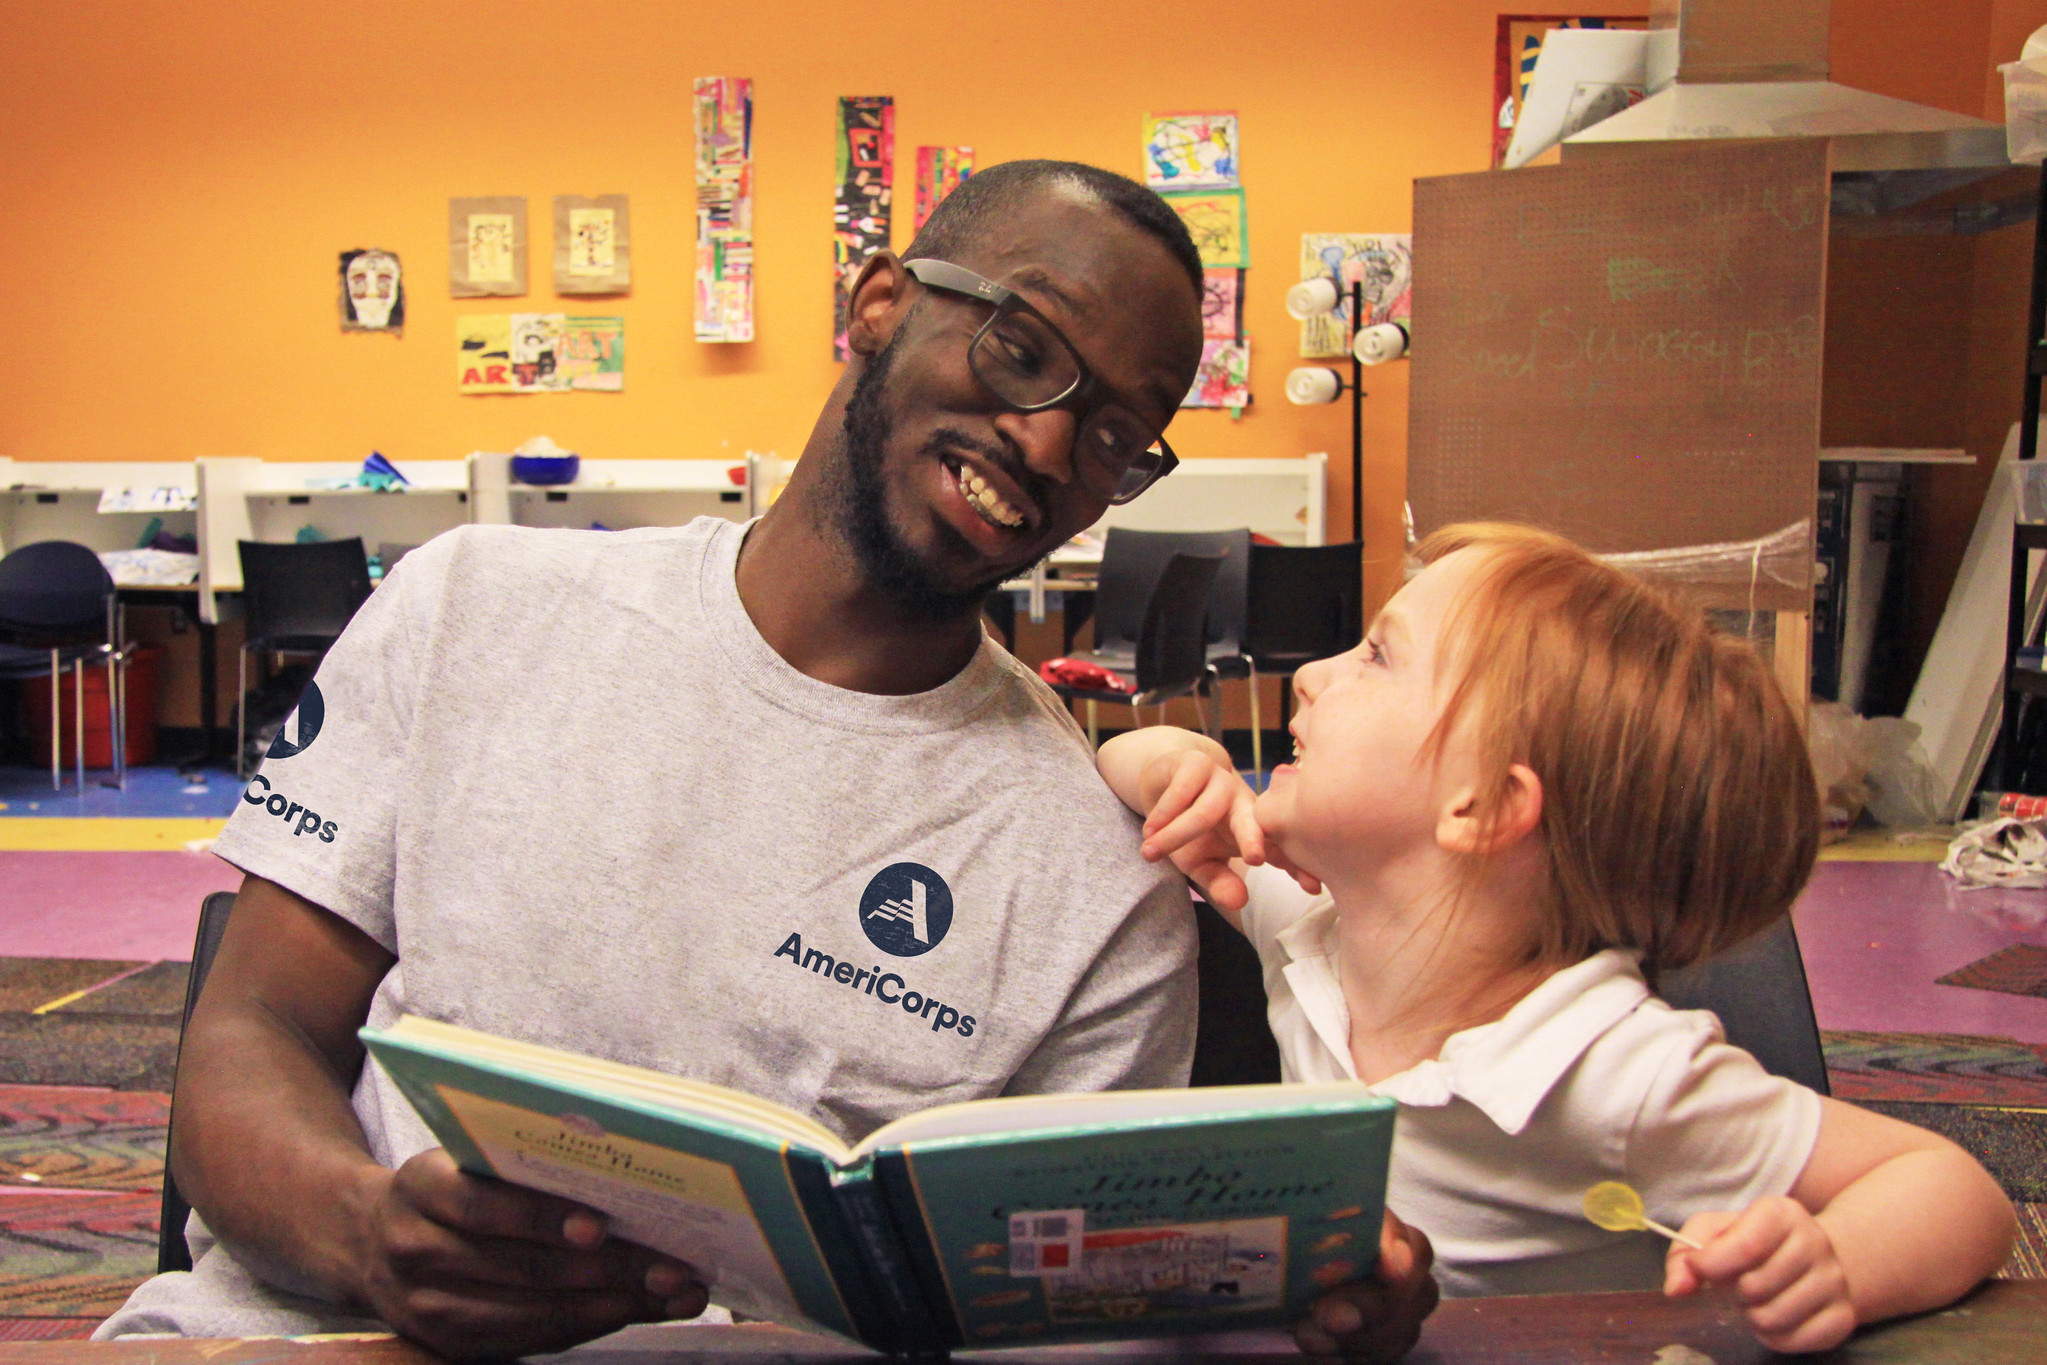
(1588, 1078)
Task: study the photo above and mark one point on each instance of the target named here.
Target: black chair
(171, 1251)
(1302, 603)
(296, 599)
(1169, 655)
(1759, 990)
(59, 611)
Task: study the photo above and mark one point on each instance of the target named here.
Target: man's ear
(1465, 826)
(879, 298)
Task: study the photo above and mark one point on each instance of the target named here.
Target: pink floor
(1876, 936)
(138, 907)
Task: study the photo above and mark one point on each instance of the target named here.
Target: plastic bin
(99, 737)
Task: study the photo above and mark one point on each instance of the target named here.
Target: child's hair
(1679, 812)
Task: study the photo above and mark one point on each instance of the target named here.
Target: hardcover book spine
(875, 1318)
(913, 1327)
(913, 1234)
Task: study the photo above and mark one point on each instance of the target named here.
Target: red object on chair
(1081, 673)
(99, 736)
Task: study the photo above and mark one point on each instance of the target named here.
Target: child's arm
(1885, 1219)
(1196, 809)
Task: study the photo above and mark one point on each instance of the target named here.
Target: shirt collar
(1506, 1068)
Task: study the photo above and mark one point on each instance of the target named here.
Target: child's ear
(1465, 826)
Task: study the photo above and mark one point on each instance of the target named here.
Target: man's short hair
(983, 196)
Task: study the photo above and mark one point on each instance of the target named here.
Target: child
(1536, 781)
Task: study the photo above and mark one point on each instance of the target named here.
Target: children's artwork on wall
(1222, 304)
(539, 353)
(1224, 379)
(866, 150)
(1382, 261)
(593, 250)
(1517, 45)
(372, 291)
(486, 247)
(724, 115)
(1215, 219)
(939, 172)
(592, 355)
(1190, 151)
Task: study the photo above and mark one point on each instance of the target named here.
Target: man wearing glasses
(759, 806)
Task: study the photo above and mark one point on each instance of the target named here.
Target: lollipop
(1617, 1208)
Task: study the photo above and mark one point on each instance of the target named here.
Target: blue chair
(59, 609)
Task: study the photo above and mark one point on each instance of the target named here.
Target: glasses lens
(1115, 454)
(1024, 361)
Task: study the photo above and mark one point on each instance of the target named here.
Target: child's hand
(1199, 813)
(1782, 1264)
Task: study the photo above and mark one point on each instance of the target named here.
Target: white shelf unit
(620, 494)
(1286, 500)
(59, 500)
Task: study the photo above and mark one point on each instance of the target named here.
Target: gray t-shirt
(565, 780)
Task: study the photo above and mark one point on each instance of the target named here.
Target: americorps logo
(309, 713)
(906, 909)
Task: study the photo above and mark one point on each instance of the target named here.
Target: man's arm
(268, 1150)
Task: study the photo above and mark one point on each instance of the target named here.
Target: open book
(1003, 1221)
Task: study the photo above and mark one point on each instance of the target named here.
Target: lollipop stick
(1678, 1237)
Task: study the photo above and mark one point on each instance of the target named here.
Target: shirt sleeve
(1129, 1023)
(1716, 1131)
(319, 817)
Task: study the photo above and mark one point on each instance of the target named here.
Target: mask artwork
(372, 291)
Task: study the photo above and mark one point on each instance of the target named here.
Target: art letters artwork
(1224, 379)
(372, 291)
(592, 245)
(939, 172)
(724, 116)
(1382, 261)
(1215, 219)
(866, 150)
(1190, 151)
(539, 353)
(486, 247)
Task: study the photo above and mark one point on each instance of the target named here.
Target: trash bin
(99, 731)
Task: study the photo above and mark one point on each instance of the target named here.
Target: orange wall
(179, 177)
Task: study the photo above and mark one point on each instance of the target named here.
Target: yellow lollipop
(1617, 1208)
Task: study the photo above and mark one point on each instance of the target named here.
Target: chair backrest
(54, 585)
(1758, 989)
(1172, 649)
(171, 1251)
(1131, 564)
(305, 592)
(1303, 602)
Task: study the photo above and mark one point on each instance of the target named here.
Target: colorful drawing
(486, 247)
(1190, 151)
(372, 291)
(592, 245)
(939, 172)
(592, 354)
(1222, 304)
(1215, 219)
(724, 113)
(538, 353)
(1171, 1270)
(1224, 379)
(1382, 261)
(1518, 44)
(861, 215)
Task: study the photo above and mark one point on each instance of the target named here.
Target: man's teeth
(981, 497)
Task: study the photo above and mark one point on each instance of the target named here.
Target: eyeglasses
(1028, 363)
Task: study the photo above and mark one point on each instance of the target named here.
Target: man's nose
(1045, 438)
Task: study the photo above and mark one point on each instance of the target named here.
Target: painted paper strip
(939, 172)
(866, 150)
(724, 116)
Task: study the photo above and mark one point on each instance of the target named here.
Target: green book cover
(1004, 1221)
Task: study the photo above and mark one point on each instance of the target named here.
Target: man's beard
(859, 507)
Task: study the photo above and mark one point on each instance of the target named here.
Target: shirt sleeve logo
(906, 910)
(306, 717)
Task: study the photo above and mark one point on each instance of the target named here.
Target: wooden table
(2003, 1323)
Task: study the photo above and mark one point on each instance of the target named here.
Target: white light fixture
(1311, 299)
(1311, 384)
(1380, 343)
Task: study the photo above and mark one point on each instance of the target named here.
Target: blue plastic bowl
(545, 469)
